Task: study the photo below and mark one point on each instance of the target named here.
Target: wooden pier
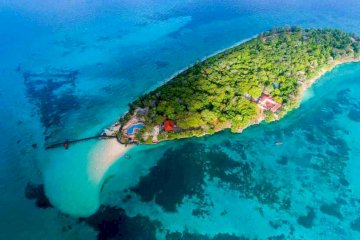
(66, 143)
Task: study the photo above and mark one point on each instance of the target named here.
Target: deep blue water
(69, 69)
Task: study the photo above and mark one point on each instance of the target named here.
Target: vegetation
(221, 91)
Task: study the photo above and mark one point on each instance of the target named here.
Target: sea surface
(68, 69)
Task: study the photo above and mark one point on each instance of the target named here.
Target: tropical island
(259, 80)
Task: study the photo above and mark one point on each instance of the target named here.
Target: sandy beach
(311, 81)
(102, 157)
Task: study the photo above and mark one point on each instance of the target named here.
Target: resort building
(266, 102)
(131, 128)
(169, 125)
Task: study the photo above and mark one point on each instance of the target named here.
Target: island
(259, 80)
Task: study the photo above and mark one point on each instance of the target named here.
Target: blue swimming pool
(132, 129)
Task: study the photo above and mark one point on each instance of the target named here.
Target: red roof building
(266, 102)
(168, 125)
(276, 107)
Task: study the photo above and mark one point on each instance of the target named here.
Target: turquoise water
(68, 70)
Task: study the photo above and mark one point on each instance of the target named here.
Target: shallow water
(69, 70)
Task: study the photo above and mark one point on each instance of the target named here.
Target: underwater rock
(113, 223)
(355, 225)
(332, 210)
(283, 160)
(182, 172)
(53, 93)
(33, 191)
(354, 115)
(194, 236)
(307, 220)
(161, 64)
(179, 173)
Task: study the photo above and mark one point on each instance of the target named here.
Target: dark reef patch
(109, 89)
(354, 115)
(278, 237)
(239, 147)
(226, 143)
(275, 224)
(332, 210)
(113, 223)
(355, 225)
(179, 173)
(182, 172)
(342, 97)
(53, 93)
(343, 182)
(161, 64)
(283, 160)
(329, 151)
(204, 15)
(33, 191)
(308, 219)
(194, 236)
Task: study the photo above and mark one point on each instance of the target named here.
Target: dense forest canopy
(221, 91)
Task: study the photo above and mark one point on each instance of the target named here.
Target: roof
(168, 125)
(276, 107)
(268, 103)
(265, 98)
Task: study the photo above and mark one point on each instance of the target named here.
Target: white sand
(73, 178)
(102, 157)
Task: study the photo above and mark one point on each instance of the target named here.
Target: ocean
(69, 69)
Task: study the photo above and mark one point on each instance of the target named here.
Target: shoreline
(331, 67)
(183, 70)
(295, 94)
(201, 60)
(103, 156)
(302, 89)
(308, 84)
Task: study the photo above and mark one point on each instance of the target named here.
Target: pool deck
(134, 120)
